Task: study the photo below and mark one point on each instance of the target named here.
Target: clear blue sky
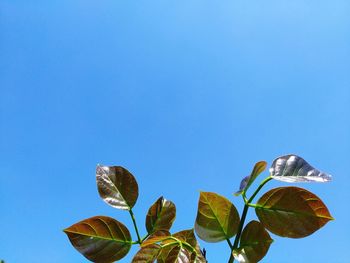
(186, 94)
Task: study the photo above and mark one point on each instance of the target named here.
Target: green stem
(229, 243)
(143, 239)
(267, 179)
(239, 232)
(135, 226)
(244, 215)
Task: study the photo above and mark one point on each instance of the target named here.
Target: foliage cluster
(284, 211)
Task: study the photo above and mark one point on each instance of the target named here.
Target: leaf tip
(238, 193)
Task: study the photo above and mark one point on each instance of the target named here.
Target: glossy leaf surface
(292, 168)
(292, 212)
(147, 254)
(163, 255)
(117, 186)
(254, 244)
(189, 237)
(156, 238)
(166, 242)
(160, 216)
(248, 180)
(100, 239)
(217, 218)
(178, 254)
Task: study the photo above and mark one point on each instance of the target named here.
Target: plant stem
(244, 215)
(144, 238)
(229, 243)
(267, 179)
(135, 226)
(239, 232)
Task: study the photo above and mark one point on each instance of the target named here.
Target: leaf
(189, 237)
(217, 218)
(292, 168)
(100, 239)
(163, 255)
(248, 180)
(292, 212)
(147, 254)
(254, 244)
(117, 186)
(167, 242)
(160, 216)
(178, 254)
(156, 237)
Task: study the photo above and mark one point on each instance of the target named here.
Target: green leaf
(117, 186)
(147, 254)
(292, 168)
(160, 216)
(254, 244)
(217, 218)
(100, 239)
(292, 212)
(248, 180)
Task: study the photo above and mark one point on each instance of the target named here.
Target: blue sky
(187, 95)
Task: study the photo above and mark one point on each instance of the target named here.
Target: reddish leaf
(189, 237)
(166, 243)
(100, 239)
(178, 254)
(254, 244)
(292, 212)
(217, 218)
(156, 238)
(117, 186)
(160, 216)
(147, 254)
(163, 255)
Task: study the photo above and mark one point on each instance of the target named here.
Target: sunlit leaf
(156, 237)
(217, 218)
(178, 254)
(186, 236)
(254, 244)
(292, 168)
(117, 186)
(167, 242)
(292, 212)
(160, 216)
(164, 252)
(100, 239)
(248, 180)
(147, 254)
(189, 237)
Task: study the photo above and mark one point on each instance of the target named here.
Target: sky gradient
(186, 94)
